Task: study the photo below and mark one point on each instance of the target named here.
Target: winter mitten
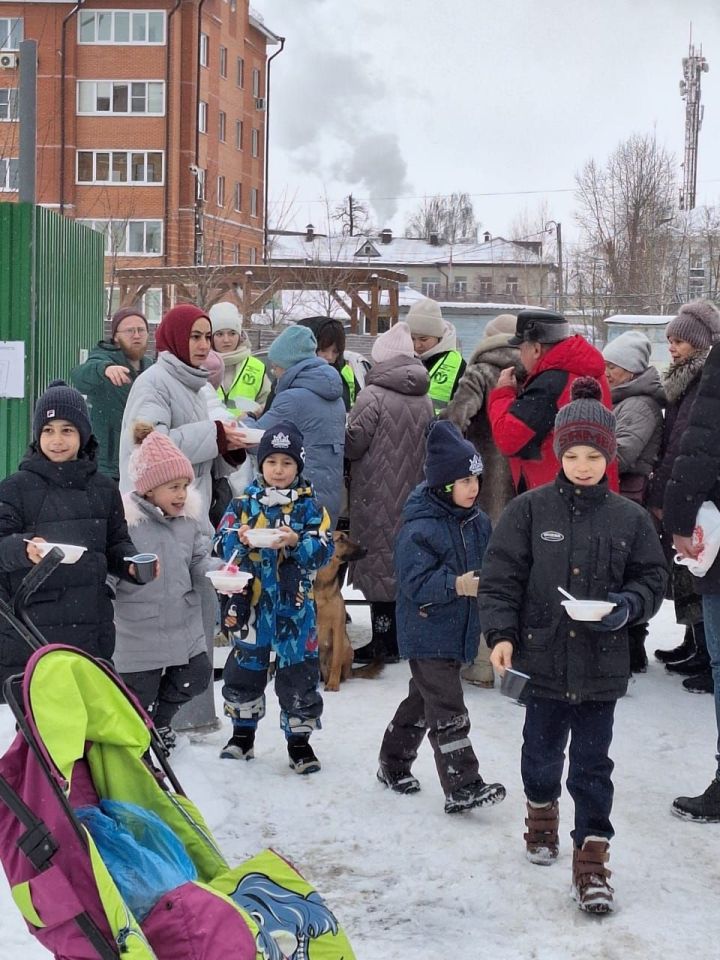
(467, 585)
(628, 607)
(289, 578)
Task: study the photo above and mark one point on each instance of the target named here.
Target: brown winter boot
(541, 839)
(591, 889)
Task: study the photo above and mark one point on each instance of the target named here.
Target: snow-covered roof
(398, 251)
(648, 320)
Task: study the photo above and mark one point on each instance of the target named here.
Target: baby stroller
(84, 744)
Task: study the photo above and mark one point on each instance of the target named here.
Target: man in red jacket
(522, 417)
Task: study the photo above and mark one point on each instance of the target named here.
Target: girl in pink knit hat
(160, 650)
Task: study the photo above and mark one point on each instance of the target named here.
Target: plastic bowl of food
(229, 580)
(71, 550)
(587, 609)
(263, 537)
(250, 434)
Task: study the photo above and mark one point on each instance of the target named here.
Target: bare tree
(624, 211)
(452, 218)
(354, 217)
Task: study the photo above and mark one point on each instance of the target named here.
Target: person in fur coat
(160, 649)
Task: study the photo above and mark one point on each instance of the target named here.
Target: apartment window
(121, 97)
(150, 304)
(200, 185)
(120, 166)
(253, 202)
(221, 191)
(204, 50)
(237, 197)
(9, 175)
(221, 251)
(460, 286)
(236, 253)
(8, 103)
(129, 238)
(253, 254)
(202, 116)
(121, 26)
(238, 134)
(222, 60)
(240, 72)
(255, 142)
(222, 124)
(255, 82)
(511, 286)
(430, 287)
(11, 33)
(485, 286)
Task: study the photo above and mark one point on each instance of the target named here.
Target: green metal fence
(51, 301)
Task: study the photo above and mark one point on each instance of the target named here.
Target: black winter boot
(475, 794)
(702, 683)
(702, 809)
(699, 662)
(399, 781)
(302, 757)
(240, 746)
(685, 650)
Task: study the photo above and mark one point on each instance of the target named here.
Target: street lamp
(559, 297)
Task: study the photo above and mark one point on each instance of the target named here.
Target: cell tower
(694, 65)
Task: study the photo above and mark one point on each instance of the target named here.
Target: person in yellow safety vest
(435, 342)
(330, 336)
(246, 385)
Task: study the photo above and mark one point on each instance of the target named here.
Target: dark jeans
(434, 705)
(548, 724)
(163, 692)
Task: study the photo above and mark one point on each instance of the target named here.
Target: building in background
(151, 125)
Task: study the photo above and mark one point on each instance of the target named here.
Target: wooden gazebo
(357, 290)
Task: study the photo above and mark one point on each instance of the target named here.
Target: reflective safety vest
(443, 375)
(348, 375)
(247, 383)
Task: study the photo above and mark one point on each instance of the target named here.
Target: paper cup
(513, 683)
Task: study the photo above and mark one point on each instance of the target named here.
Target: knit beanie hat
(293, 345)
(119, 315)
(424, 318)
(215, 366)
(62, 402)
(585, 421)
(631, 351)
(697, 323)
(173, 334)
(449, 456)
(283, 437)
(503, 323)
(225, 316)
(156, 460)
(395, 342)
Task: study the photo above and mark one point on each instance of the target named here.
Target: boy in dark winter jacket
(577, 534)
(58, 495)
(438, 553)
(279, 613)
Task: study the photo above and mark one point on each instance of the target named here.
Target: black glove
(289, 577)
(628, 607)
(236, 615)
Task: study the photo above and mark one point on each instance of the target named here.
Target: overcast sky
(399, 99)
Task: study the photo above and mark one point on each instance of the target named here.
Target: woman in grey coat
(385, 444)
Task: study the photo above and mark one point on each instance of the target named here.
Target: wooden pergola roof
(355, 289)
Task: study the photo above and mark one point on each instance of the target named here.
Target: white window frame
(204, 50)
(222, 126)
(254, 197)
(202, 116)
(239, 131)
(237, 197)
(150, 303)
(120, 113)
(253, 255)
(460, 286)
(240, 72)
(485, 286)
(220, 191)
(235, 253)
(112, 248)
(10, 106)
(9, 175)
(430, 287)
(15, 32)
(255, 142)
(84, 17)
(256, 82)
(129, 154)
(222, 62)
(512, 286)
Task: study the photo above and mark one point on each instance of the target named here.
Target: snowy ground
(407, 880)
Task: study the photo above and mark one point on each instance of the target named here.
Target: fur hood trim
(680, 376)
(135, 514)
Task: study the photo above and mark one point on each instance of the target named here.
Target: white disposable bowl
(232, 582)
(251, 434)
(587, 609)
(263, 537)
(72, 551)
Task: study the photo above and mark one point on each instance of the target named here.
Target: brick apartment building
(154, 131)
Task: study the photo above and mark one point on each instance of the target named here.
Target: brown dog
(336, 654)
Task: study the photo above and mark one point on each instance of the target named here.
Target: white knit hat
(395, 342)
(225, 316)
(631, 351)
(425, 319)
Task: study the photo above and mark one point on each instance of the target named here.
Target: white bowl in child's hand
(229, 581)
(587, 609)
(71, 550)
(250, 434)
(263, 537)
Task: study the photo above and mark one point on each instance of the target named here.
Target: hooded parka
(638, 406)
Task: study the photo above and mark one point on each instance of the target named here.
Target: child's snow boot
(702, 809)
(302, 757)
(475, 794)
(168, 737)
(541, 838)
(591, 889)
(399, 781)
(239, 746)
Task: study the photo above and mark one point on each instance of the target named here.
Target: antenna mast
(694, 65)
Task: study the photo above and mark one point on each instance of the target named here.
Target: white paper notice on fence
(12, 368)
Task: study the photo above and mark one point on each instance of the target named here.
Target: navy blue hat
(62, 402)
(283, 437)
(449, 456)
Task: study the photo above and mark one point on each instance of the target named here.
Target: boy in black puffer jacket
(577, 534)
(58, 495)
(438, 553)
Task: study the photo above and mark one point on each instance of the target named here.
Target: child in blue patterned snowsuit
(277, 611)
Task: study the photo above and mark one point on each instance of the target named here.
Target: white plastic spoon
(568, 595)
